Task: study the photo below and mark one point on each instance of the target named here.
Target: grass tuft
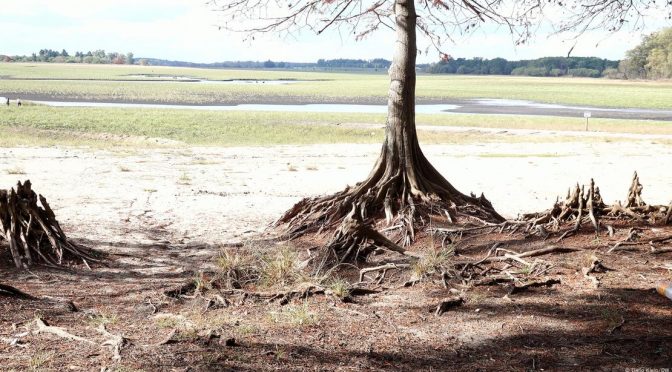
(340, 288)
(436, 260)
(296, 315)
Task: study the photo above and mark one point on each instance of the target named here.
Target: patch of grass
(360, 87)
(103, 318)
(184, 179)
(435, 260)
(611, 316)
(237, 268)
(527, 269)
(280, 268)
(340, 288)
(311, 167)
(157, 128)
(202, 283)
(267, 266)
(40, 359)
(15, 171)
(295, 315)
(123, 168)
(246, 329)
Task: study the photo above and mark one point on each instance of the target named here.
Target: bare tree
(404, 190)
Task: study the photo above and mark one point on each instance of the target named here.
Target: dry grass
(295, 315)
(269, 266)
(40, 359)
(340, 288)
(436, 260)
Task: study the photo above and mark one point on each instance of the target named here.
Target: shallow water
(342, 108)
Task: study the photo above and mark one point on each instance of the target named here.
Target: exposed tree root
(583, 206)
(43, 327)
(9, 291)
(382, 270)
(518, 256)
(402, 195)
(534, 284)
(32, 231)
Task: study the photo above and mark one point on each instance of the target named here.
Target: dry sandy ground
(225, 194)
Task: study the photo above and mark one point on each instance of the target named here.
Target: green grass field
(104, 127)
(331, 87)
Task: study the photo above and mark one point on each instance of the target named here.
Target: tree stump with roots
(400, 199)
(31, 231)
(583, 205)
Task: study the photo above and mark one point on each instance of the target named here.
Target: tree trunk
(403, 188)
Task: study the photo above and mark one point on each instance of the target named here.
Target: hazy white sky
(186, 30)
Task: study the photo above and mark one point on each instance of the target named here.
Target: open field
(330, 87)
(31, 125)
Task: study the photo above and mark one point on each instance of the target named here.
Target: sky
(187, 30)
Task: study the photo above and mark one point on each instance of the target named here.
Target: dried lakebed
(475, 106)
(167, 194)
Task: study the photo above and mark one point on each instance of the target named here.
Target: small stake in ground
(586, 115)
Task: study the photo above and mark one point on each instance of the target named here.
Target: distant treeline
(97, 56)
(327, 64)
(378, 63)
(547, 66)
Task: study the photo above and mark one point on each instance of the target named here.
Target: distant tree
(651, 59)
(129, 58)
(404, 189)
(269, 64)
(64, 53)
(117, 58)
